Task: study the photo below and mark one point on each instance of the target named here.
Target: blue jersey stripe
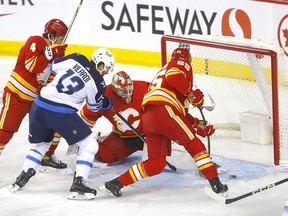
(84, 163)
(53, 107)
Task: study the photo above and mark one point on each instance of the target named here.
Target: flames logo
(235, 22)
(283, 34)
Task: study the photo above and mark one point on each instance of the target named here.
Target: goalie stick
(225, 200)
(129, 125)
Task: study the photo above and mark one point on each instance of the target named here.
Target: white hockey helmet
(104, 56)
(123, 86)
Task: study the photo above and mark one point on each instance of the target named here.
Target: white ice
(169, 193)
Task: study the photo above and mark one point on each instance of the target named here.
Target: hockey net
(246, 78)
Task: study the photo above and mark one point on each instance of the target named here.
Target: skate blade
(221, 170)
(104, 190)
(218, 197)
(13, 188)
(46, 169)
(77, 196)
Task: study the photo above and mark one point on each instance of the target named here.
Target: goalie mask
(181, 54)
(123, 86)
(105, 57)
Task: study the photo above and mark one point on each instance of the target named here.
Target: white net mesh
(237, 74)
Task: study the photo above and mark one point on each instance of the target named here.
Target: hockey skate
(50, 160)
(217, 186)
(80, 191)
(112, 188)
(22, 180)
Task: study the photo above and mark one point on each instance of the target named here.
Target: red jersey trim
(165, 96)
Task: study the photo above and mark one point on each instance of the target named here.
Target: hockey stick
(203, 118)
(212, 106)
(208, 137)
(139, 135)
(72, 21)
(224, 200)
(46, 73)
(212, 102)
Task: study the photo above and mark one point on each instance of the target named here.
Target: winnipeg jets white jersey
(75, 81)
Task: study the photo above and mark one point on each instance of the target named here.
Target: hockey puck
(232, 176)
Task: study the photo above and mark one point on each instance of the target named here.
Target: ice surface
(168, 193)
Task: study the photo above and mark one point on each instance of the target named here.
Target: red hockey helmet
(181, 54)
(56, 26)
(123, 86)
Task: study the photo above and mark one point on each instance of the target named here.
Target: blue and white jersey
(75, 81)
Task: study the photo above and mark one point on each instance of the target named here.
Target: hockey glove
(196, 98)
(204, 130)
(58, 50)
(55, 51)
(107, 103)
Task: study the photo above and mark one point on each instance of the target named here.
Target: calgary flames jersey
(131, 112)
(171, 86)
(31, 61)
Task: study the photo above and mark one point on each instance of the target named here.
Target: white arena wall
(133, 29)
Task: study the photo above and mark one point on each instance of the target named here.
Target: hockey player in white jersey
(55, 109)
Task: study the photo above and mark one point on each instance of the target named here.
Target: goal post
(246, 78)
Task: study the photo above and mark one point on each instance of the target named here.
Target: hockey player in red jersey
(26, 79)
(122, 141)
(164, 119)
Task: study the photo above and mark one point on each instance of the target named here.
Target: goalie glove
(196, 98)
(203, 129)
